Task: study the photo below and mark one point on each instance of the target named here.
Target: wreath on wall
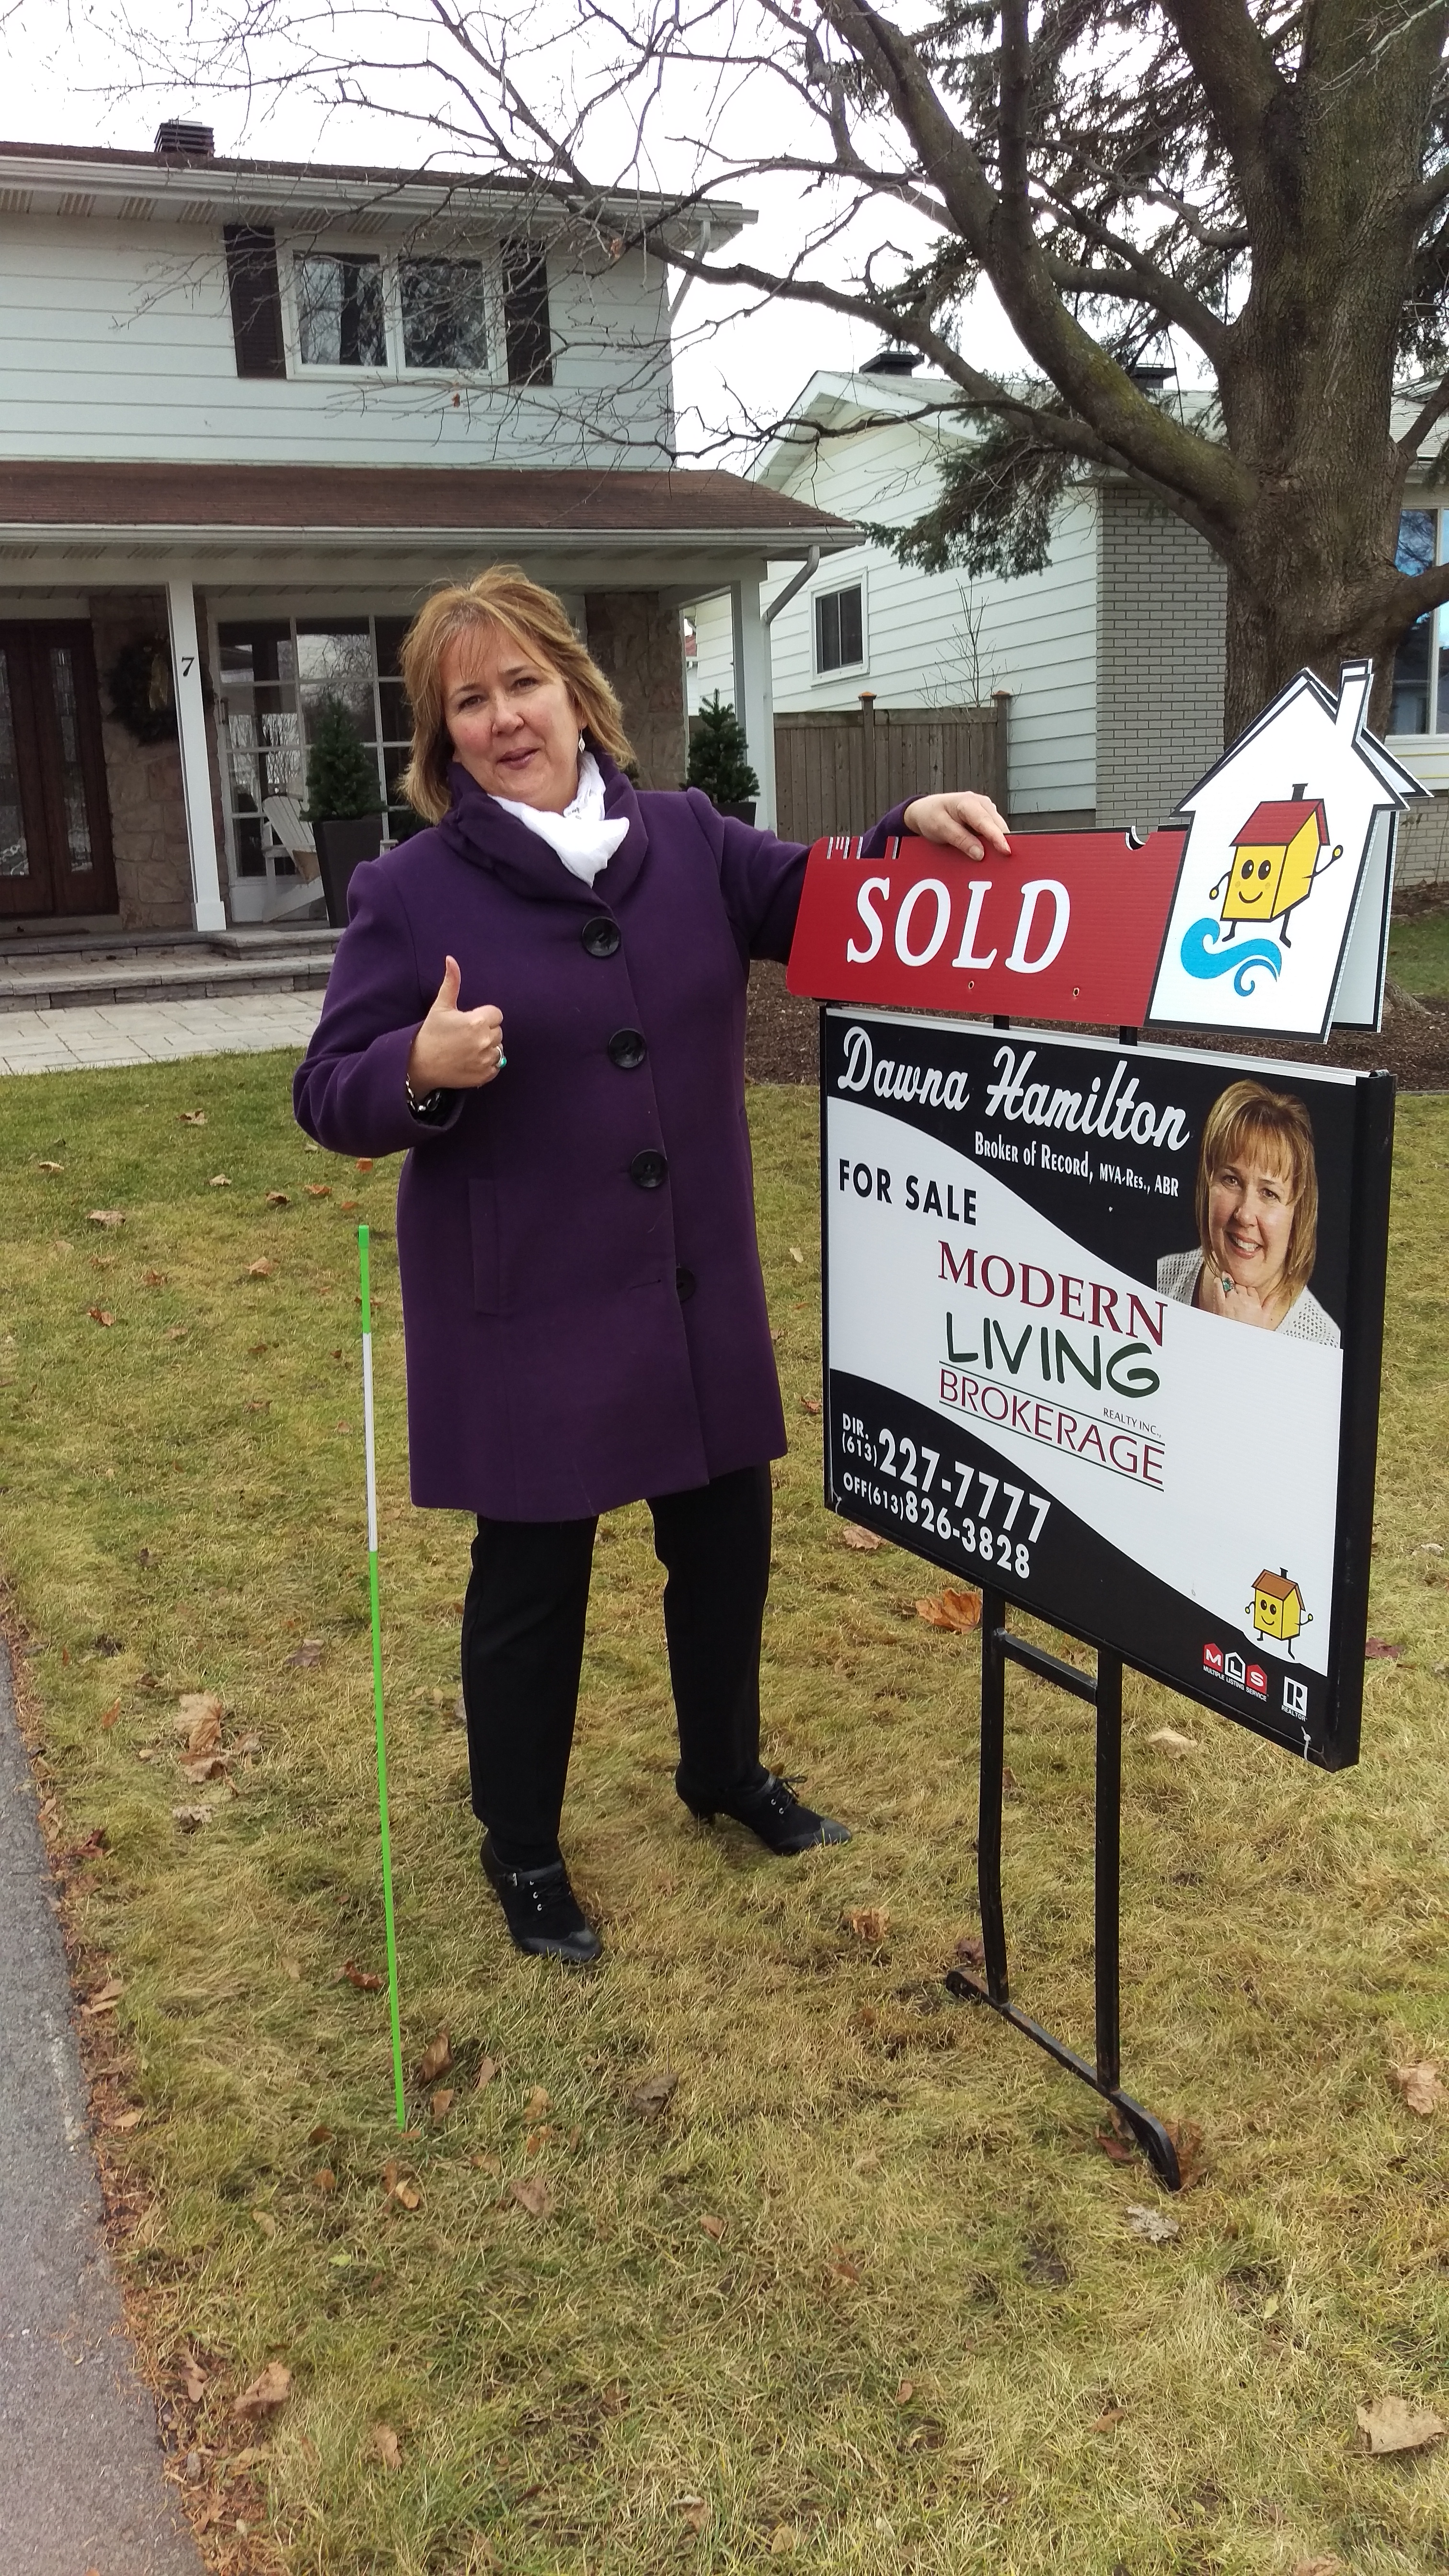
(139, 681)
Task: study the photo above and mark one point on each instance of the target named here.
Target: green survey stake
(370, 1451)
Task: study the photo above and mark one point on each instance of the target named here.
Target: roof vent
(177, 140)
(892, 361)
(1151, 380)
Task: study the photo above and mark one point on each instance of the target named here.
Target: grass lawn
(1419, 951)
(865, 2297)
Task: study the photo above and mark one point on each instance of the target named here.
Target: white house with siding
(250, 412)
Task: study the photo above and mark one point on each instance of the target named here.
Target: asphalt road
(81, 2485)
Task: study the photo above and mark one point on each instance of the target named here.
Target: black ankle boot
(774, 1813)
(541, 1910)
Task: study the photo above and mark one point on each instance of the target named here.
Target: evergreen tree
(341, 771)
(718, 756)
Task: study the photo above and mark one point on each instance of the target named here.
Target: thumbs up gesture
(456, 1050)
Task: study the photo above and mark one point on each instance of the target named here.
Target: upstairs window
(526, 327)
(339, 310)
(256, 300)
(839, 629)
(443, 318)
(1412, 709)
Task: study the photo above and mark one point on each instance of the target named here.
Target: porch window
(339, 310)
(1421, 676)
(275, 674)
(443, 317)
(839, 629)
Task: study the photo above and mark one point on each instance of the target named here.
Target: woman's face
(513, 724)
(1250, 1217)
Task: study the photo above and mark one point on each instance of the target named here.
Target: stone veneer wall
(148, 808)
(1161, 659)
(635, 637)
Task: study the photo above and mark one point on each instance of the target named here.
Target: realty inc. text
(1115, 1111)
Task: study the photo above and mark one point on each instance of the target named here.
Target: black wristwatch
(428, 1106)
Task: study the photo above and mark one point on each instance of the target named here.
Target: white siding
(713, 667)
(937, 639)
(116, 343)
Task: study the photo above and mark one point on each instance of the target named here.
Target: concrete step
(227, 963)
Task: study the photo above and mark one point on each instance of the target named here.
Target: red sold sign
(1069, 928)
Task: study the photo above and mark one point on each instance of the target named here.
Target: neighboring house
(249, 414)
(1112, 657)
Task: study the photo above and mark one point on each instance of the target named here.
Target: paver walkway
(81, 2483)
(154, 1032)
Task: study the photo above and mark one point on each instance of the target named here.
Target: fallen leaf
(1391, 2424)
(384, 2445)
(193, 1118)
(345, 1204)
(537, 2103)
(261, 1269)
(1419, 2084)
(191, 1819)
(407, 2195)
(442, 2101)
(198, 1722)
(714, 2227)
(106, 1216)
(212, 1766)
(487, 2069)
(809, 1403)
(1154, 2226)
(319, 2136)
(364, 1163)
(695, 2512)
(177, 1333)
(537, 2138)
(278, 1198)
(309, 1652)
(843, 2267)
(971, 1951)
(1172, 1742)
(193, 2379)
(319, 1189)
(110, 1715)
(106, 1997)
(263, 2219)
(269, 2390)
(1378, 1650)
(649, 2099)
(851, 1535)
(218, 1181)
(155, 1279)
(956, 1610)
(869, 1922)
(1187, 2140)
(795, 1252)
(324, 2179)
(905, 2392)
(1117, 2142)
(436, 2058)
(362, 1978)
(1103, 2423)
(50, 1167)
(98, 1315)
(532, 2193)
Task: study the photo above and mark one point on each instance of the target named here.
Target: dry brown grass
(920, 2339)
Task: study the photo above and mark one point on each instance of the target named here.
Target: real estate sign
(1048, 1366)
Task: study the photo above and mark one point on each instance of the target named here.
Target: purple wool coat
(583, 1308)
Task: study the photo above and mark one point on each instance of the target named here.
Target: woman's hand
(968, 823)
(1219, 1294)
(456, 1050)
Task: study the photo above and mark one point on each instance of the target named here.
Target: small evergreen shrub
(718, 756)
(341, 771)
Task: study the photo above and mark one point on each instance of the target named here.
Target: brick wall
(634, 636)
(148, 809)
(1423, 845)
(1161, 610)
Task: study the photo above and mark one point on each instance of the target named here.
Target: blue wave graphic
(1205, 956)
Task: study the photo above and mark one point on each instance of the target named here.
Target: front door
(55, 822)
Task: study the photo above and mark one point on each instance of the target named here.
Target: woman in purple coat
(583, 1307)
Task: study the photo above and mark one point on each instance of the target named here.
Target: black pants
(523, 1644)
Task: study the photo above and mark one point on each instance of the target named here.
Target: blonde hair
(1248, 1115)
(538, 623)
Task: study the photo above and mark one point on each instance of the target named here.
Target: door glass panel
(263, 737)
(79, 855)
(14, 848)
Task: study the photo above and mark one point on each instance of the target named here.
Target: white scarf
(580, 835)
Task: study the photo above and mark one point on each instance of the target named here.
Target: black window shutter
(256, 301)
(526, 327)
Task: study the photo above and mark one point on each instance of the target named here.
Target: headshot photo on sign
(1257, 1218)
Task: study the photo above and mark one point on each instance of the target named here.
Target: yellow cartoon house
(1275, 858)
(1277, 1608)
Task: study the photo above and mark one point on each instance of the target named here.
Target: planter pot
(342, 845)
(738, 813)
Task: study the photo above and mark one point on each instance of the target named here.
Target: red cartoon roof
(1271, 824)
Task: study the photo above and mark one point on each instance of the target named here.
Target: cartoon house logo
(1276, 1608)
(1275, 861)
(1295, 825)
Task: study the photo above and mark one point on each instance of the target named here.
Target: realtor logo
(1212, 1661)
(1234, 1670)
(1257, 1681)
(1295, 1696)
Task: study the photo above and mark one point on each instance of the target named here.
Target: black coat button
(627, 1049)
(684, 1283)
(600, 936)
(649, 1169)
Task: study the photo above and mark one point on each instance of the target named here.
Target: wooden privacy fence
(836, 772)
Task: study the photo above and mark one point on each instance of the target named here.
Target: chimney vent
(177, 140)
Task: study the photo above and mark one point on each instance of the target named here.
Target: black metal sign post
(998, 1648)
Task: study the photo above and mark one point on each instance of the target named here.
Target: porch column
(208, 909)
(754, 691)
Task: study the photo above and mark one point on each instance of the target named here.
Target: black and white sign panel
(1103, 1328)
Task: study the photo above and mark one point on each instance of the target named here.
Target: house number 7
(188, 661)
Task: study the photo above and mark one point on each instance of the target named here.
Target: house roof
(1276, 824)
(1278, 1587)
(81, 179)
(838, 404)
